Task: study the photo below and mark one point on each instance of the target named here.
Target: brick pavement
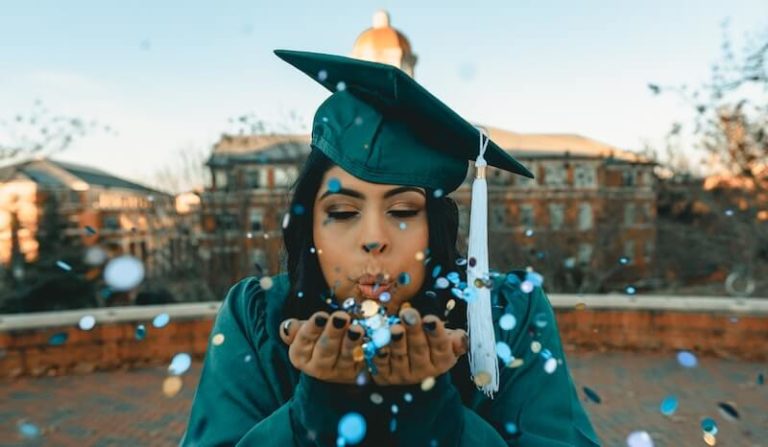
(122, 408)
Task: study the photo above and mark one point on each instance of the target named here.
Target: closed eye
(404, 214)
(341, 215)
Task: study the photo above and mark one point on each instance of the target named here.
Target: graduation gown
(249, 394)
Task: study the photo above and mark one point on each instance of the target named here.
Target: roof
(59, 174)
(532, 145)
(381, 36)
(260, 149)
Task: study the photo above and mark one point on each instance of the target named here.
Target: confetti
(511, 428)
(385, 297)
(180, 364)
(352, 428)
(218, 339)
(442, 283)
(709, 426)
(341, 86)
(507, 322)
(266, 283)
(377, 398)
(172, 385)
(526, 286)
(639, 439)
(87, 322)
(436, 271)
(668, 405)
(438, 193)
(529, 233)
(28, 430)
(322, 75)
(427, 384)
(404, 278)
(141, 332)
(630, 290)
(482, 379)
(504, 352)
(334, 185)
(408, 397)
(623, 260)
(298, 209)
(286, 220)
(461, 262)
(516, 363)
(64, 266)
(728, 411)
(535, 347)
(124, 273)
(550, 365)
(687, 359)
(591, 395)
(58, 339)
(370, 308)
(161, 320)
(541, 320)
(710, 439)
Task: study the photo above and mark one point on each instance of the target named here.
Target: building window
(584, 176)
(629, 214)
(498, 217)
(257, 220)
(284, 176)
(556, 216)
(647, 212)
(220, 176)
(555, 174)
(253, 178)
(527, 215)
(226, 221)
(585, 216)
(498, 177)
(649, 248)
(110, 222)
(585, 253)
(628, 177)
(629, 250)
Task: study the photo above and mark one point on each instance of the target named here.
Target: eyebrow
(359, 195)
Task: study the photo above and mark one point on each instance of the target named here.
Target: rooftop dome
(382, 43)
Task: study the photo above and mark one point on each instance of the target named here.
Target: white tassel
(482, 341)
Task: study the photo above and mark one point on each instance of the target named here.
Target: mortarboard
(381, 126)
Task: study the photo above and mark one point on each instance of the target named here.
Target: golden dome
(381, 36)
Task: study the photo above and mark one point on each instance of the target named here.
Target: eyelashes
(347, 215)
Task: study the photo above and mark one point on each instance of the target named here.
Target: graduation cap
(381, 126)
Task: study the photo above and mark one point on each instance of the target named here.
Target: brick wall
(112, 344)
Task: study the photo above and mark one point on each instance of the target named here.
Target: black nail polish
(397, 336)
(353, 335)
(339, 323)
(320, 321)
(429, 326)
(286, 327)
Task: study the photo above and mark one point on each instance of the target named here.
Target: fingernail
(353, 335)
(320, 321)
(338, 322)
(410, 318)
(429, 326)
(397, 336)
(286, 327)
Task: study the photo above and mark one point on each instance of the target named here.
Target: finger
(440, 350)
(350, 348)
(328, 345)
(399, 366)
(289, 328)
(459, 341)
(383, 367)
(303, 343)
(418, 347)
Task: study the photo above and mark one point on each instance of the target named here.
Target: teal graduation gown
(249, 394)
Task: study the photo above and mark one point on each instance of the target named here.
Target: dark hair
(308, 290)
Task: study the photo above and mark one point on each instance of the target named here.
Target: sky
(168, 76)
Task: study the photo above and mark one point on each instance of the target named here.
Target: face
(370, 238)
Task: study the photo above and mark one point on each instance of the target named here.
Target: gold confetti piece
(357, 354)
(419, 255)
(516, 363)
(319, 251)
(172, 386)
(710, 439)
(377, 398)
(427, 384)
(218, 339)
(370, 308)
(265, 283)
(535, 347)
(405, 305)
(482, 378)
(581, 306)
(451, 304)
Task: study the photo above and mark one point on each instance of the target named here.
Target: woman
(372, 238)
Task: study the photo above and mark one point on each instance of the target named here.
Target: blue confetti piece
(535, 278)
(28, 430)
(161, 320)
(687, 359)
(58, 339)
(334, 185)
(709, 426)
(630, 290)
(668, 405)
(90, 230)
(404, 278)
(352, 428)
(453, 277)
(141, 332)
(436, 271)
(64, 266)
(298, 209)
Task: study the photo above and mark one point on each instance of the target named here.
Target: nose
(373, 235)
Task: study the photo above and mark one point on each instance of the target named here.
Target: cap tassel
(482, 340)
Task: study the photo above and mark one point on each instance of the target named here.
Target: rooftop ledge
(192, 311)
